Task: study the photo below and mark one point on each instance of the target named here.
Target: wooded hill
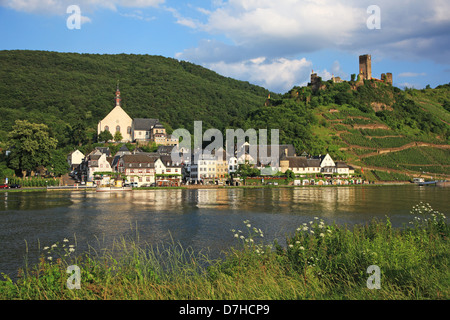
(374, 126)
(61, 89)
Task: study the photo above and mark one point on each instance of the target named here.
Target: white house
(75, 159)
(97, 163)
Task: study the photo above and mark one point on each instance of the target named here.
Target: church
(134, 130)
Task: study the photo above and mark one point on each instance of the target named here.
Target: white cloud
(279, 74)
(411, 74)
(138, 15)
(412, 28)
(60, 6)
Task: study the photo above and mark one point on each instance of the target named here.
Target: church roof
(144, 124)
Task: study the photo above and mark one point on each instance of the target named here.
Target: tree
(31, 146)
(105, 136)
(78, 134)
(118, 136)
(58, 163)
(246, 170)
(290, 175)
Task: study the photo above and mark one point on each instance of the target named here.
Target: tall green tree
(79, 134)
(58, 163)
(105, 136)
(118, 136)
(31, 146)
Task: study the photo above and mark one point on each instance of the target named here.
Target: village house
(75, 159)
(137, 168)
(315, 165)
(300, 165)
(167, 171)
(97, 163)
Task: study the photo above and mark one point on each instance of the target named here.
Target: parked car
(134, 184)
(15, 186)
(4, 186)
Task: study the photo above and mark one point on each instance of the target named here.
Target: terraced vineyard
(420, 159)
(395, 156)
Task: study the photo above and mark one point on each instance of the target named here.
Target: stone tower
(389, 79)
(365, 66)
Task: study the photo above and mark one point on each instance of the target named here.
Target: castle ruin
(365, 73)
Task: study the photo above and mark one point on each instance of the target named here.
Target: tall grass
(318, 261)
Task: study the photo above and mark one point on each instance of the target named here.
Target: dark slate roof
(104, 150)
(282, 149)
(167, 161)
(341, 164)
(133, 160)
(165, 150)
(144, 124)
(302, 162)
(123, 148)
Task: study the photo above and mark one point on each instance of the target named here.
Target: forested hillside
(64, 89)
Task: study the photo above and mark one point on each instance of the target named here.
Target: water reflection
(197, 218)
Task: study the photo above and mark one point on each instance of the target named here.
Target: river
(199, 219)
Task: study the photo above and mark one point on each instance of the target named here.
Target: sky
(273, 44)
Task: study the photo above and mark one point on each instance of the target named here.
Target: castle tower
(365, 65)
(389, 79)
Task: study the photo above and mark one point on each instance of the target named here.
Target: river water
(198, 219)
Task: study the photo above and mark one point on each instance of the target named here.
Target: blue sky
(274, 44)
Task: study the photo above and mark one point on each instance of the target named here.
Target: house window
(106, 128)
(118, 128)
(129, 130)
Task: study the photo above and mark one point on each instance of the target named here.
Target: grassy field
(319, 261)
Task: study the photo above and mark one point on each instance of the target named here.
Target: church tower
(365, 66)
(118, 99)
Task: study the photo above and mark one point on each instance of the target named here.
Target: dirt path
(389, 150)
(413, 174)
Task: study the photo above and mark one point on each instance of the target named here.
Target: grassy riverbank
(319, 261)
